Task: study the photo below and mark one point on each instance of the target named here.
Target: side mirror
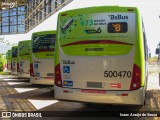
(157, 50)
(149, 55)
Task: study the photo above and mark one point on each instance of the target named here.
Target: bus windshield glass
(42, 43)
(9, 54)
(14, 52)
(24, 48)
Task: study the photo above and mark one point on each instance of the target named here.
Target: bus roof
(14, 47)
(102, 8)
(45, 32)
(24, 41)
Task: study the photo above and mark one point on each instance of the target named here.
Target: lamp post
(0, 17)
(158, 51)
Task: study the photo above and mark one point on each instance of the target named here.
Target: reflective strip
(123, 94)
(94, 91)
(48, 77)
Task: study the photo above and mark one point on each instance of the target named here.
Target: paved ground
(12, 104)
(16, 91)
(153, 82)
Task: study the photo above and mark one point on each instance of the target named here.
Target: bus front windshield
(43, 43)
(24, 48)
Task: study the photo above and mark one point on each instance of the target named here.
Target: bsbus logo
(118, 17)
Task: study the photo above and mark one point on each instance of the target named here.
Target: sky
(150, 11)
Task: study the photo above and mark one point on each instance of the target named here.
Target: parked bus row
(34, 58)
(97, 55)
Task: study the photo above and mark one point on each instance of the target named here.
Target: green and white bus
(23, 66)
(14, 60)
(8, 56)
(42, 55)
(100, 56)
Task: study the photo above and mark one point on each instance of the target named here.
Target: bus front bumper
(42, 81)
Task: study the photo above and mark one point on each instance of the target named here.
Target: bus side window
(157, 50)
(145, 42)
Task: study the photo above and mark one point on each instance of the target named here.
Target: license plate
(94, 84)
